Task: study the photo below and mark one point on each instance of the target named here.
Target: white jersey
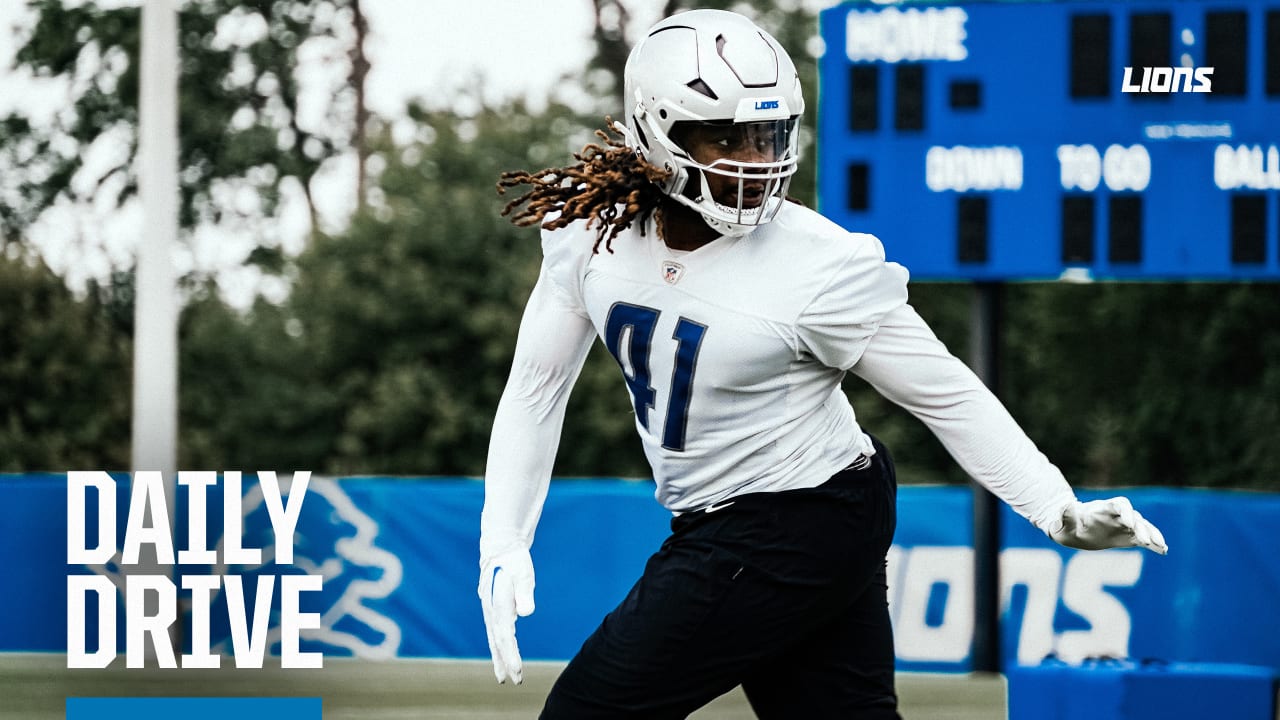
(734, 354)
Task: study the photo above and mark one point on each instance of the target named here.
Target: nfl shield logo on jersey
(672, 271)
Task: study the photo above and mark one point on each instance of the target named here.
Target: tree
(1151, 383)
(240, 120)
(391, 352)
(61, 362)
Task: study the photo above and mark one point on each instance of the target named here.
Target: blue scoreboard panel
(1108, 139)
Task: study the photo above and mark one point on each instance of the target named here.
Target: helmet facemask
(736, 175)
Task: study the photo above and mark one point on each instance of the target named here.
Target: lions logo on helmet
(714, 67)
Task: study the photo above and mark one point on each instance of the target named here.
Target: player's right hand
(506, 590)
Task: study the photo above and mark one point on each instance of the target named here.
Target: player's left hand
(1102, 524)
(506, 590)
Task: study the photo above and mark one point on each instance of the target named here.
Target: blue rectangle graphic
(194, 708)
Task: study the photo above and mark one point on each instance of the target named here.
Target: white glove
(1103, 524)
(506, 590)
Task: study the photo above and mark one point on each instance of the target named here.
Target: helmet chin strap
(728, 228)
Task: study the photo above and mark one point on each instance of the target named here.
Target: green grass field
(34, 687)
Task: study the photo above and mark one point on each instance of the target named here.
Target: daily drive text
(145, 563)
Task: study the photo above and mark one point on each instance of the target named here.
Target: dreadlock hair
(610, 187)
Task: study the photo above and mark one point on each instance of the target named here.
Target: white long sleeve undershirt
(907, 364)
(550, 350)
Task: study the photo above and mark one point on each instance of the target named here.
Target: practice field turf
(35, 687)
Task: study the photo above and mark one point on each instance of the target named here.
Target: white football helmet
(715, 68)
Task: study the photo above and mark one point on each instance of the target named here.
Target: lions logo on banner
(335, 540)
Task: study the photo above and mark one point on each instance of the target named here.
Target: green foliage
(64, 369)
(1161, 383)
(238, 106)
(392, 350)
(244, 400)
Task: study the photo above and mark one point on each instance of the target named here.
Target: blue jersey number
(637, 324)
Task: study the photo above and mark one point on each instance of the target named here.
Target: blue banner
(398, 558)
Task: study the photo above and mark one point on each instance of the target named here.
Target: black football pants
(783, 593)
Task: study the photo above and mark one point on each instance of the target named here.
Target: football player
(734, 315)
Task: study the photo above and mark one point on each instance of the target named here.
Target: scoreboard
(1096, 138)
